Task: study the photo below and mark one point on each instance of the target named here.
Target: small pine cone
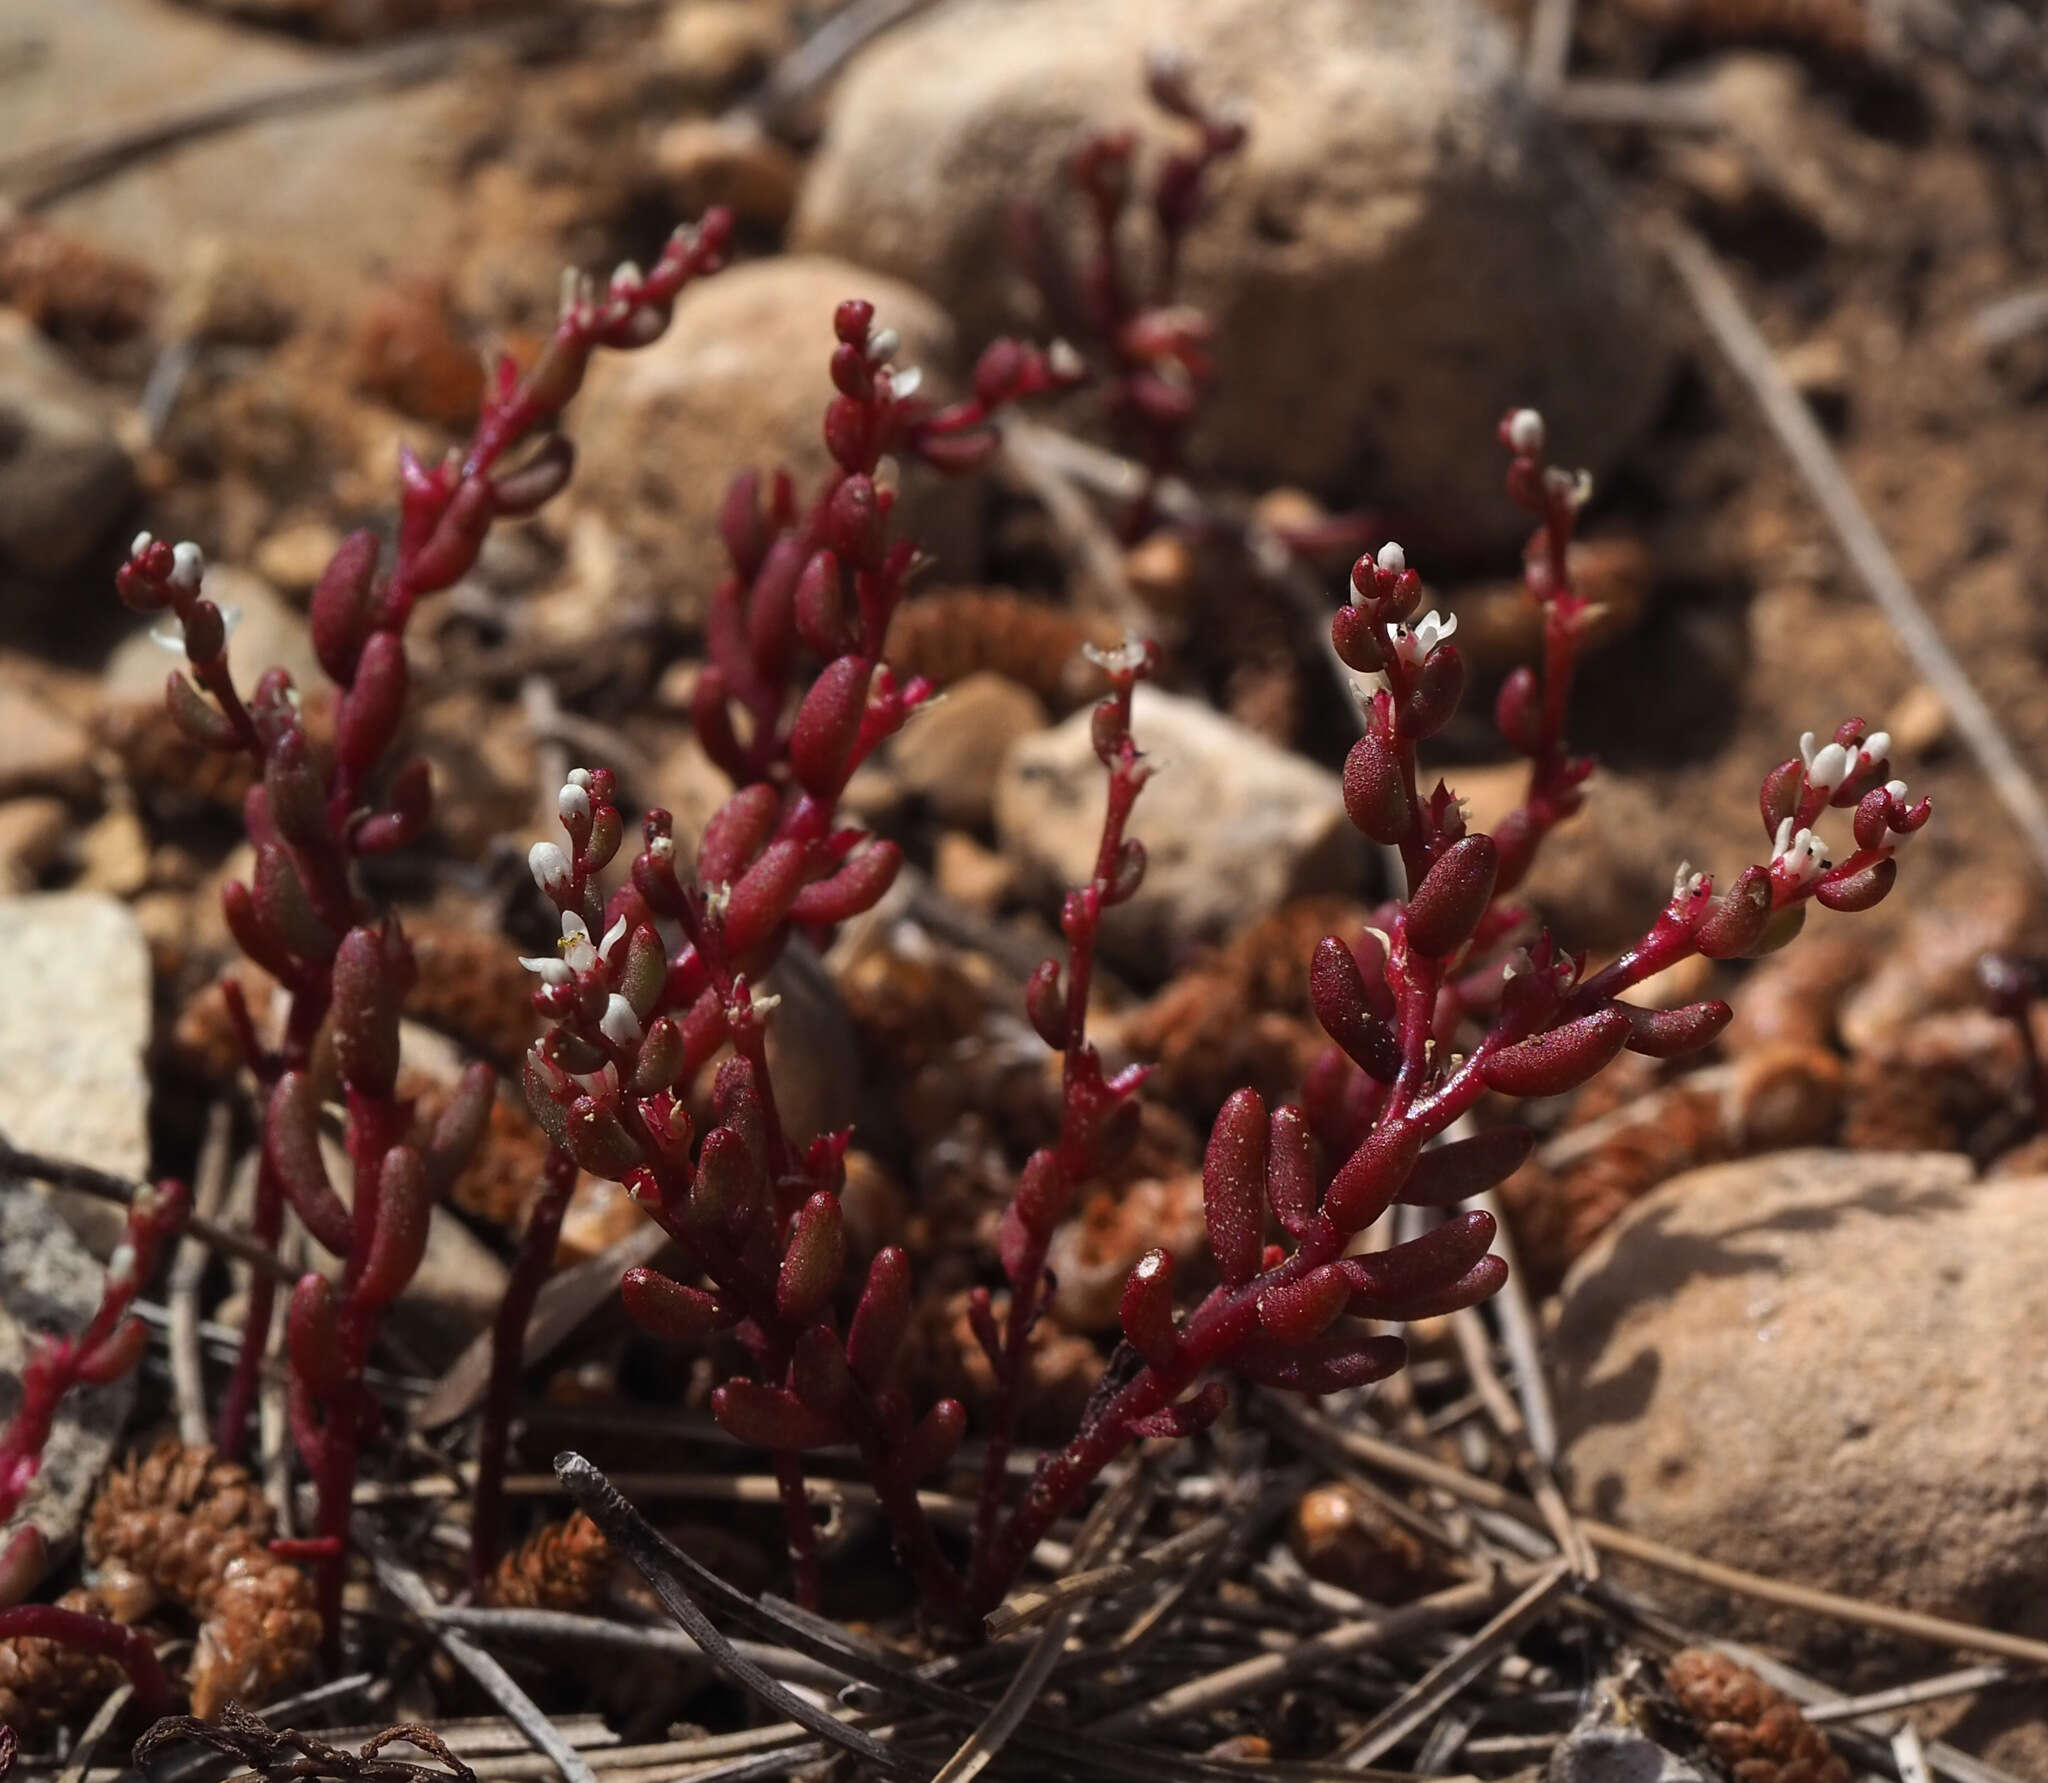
(1954, 1081)
(44, 1683)
(194, 1527)
(947, 636)
(1755, 1730)
(472, 986)
(561, 1566)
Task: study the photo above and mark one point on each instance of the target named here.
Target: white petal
(611, 940)
(1392, 558)
(619, 1024)
(549, 867)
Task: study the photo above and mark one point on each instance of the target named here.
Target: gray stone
(1406, 249)
(1232, 826)
(951, 753)
(1825, 1367)
(50, 1284)
(73, 1026)
(64, 479)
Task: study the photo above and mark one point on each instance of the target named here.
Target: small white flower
(188, 564)
(1414, 643)
(718, 900)
(1392, 558)
(579, 777)
(550, 869)
(1685, 883)
(143, 541)
(575, 943)
(551, 971)
(598, 1082)
(625, 277)
(619, 1024)
(1526, 432)
(662, 848)
(612, 937)
(1063, 361)
(1126, 658)
(1876, 746)
(1802, 852)
(121, 1265)
(571, 291)
(764, 1002)
(882, 345)
(1897, 788)
(572, 803)
(1806, 748)
(903, 385)
(1831, 765)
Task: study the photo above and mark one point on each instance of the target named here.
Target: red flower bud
(1549, 1064)
(1860, 890)
(1342, 1002)
(368, 995)
(398, 1243)
(816, 1257)
(1234, 1187)
(1291, 1169)
(1299, 1310)
(1375, 793)
(827, 725)
(881, 1318)
(1147, 1309)
(1444, 1175)
(373, 705)
(665, 1308)
(1367, 1183)
(769, 1418)
(1672, 1033)
(1735, 924)
(1445, 908)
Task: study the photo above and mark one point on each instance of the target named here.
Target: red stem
(128, 1647)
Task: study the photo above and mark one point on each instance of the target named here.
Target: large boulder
(1826, 1367)
(740, 381)
(64, 478)
(1405, 250)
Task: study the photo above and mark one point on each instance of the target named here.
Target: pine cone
(1954, 1081)
(561, 1566)
(70, 287)
(1755, 1730)
(44, 1684)
(191, 1527)
(165, 767)
(945, 637)
(471, 986)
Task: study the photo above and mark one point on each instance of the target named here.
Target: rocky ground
(1787, 1301)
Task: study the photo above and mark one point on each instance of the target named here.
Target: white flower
(662, 848)
(121, 1266)
(1830, 767)
(188, 564)
(1414, 643)
(572, 803)
(1392, 558)
(553, 970)
(619, 1024)
(882, 345)
(626, 276)
(1064, 361)
(1685, 883)
(143, 541)
(550, 869)
(575, 943)
(1127, 658)
(1802, 852)
(579, 777)
(903, 384)
(611, 939)
(718, 900)
(1525, 432)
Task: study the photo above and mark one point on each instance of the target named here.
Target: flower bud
(398, 1243)
(1234, 1187)
(367, 1000)
(1444, 1175)
(1147, 1309)
(1549, 1064)
(1342, 1002)
(1299, 1310)
(1445, 909)
(1736, 922)
(828, 723)
(812, 1264)
(1375, 791)
(769, 1418)
(1672, 1033)
(881, 1318)
(665, 1308)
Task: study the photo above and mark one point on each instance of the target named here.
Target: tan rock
(951, 753)
(968, 873)
(32, 832)
(1824, 1367)
(1404, 250)
(707, 161)
(64, 479)
(739, 381)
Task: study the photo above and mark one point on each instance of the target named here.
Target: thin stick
(1518, 1333)
(1721, 309)
(188, 1268)
(1269, 1671)
(95, 1731)
(1906, 1696)
(1105, 1581)
(1909, 1756)
(412, 1591)
(600, 1631)
(1100, 558)
(775, 104)
(1550, 46)
(1431, 1692)
(1648, 105)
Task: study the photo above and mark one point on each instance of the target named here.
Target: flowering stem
(128, 1647)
